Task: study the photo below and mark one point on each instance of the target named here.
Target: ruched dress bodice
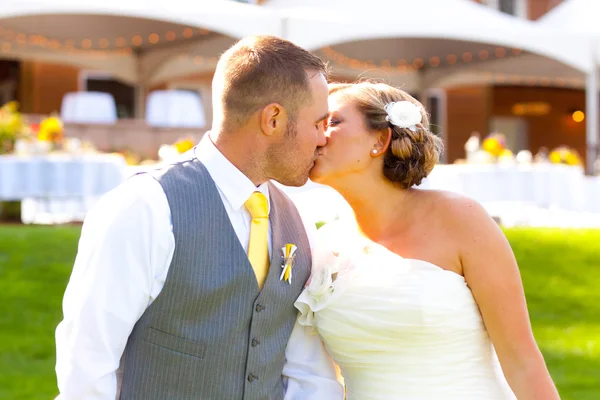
(400, 328)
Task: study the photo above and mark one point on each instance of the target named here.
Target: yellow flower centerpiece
(183, 145)
(565, 155)
(131, 158)
(51, 131)
(495, 144)
(11, 126)
(170, 152)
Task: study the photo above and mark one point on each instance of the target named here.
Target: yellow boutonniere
(288, 255)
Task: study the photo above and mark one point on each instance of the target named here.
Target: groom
(178, 290)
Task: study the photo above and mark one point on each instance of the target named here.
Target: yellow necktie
(258, 250)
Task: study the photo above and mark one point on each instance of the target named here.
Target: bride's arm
(491, 271)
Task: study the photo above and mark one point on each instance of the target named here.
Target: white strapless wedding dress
(400, 328)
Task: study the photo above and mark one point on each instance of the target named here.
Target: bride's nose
(327, 131)
(327, 136)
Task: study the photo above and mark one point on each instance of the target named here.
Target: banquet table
(58, 187)
(519, 195)
(540, 185)
(592, 194)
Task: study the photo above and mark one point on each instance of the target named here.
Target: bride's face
(349, 143)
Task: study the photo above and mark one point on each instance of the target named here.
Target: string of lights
(531, 80)
(403, 65)
(121, 45)
(406, 66)
(100, 48)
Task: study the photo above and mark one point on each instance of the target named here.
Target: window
(9, 77)
(124, 94)
(435, 104)
(518, 8)
(507, 6)
(7, 92)
(203, 89)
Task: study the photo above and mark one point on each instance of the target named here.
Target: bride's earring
(374, 152)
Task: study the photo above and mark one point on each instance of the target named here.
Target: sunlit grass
(560, 269)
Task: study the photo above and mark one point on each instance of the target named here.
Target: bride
(420, 297)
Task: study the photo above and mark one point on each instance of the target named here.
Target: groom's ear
(272, 119)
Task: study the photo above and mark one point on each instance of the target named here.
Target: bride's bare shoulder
(454, 207)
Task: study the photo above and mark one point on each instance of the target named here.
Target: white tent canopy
(224, 16)
(578, 21)
(152, 34)
(315, 24)
(528, 69)
(144, 42)
(311, 23)
(440, 59)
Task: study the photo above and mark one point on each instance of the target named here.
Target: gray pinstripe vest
(211, 334)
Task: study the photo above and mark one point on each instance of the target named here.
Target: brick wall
(43, 85)
(468, 110)
(551, 130)
(537, 8)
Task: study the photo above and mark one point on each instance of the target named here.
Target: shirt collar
(235, 186)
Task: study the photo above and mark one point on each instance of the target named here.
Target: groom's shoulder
(139, 194)
(148, 181)
(184, 175)
(182, 168)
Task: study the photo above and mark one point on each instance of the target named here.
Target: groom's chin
(297, 181)
(301, 181)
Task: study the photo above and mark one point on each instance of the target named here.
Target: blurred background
(93, 92)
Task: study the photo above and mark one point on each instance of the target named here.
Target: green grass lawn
(561, 273)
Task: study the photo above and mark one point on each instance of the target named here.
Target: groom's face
(294, 156)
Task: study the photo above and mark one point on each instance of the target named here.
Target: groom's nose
(321, 137)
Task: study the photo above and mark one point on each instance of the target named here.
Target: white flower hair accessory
(403, 114)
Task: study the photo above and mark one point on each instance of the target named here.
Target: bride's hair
(412, 154)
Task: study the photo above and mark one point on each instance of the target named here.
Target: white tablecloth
(547, 186)
(67, 186)
(531, 195)
(592, 194)
(59, 184)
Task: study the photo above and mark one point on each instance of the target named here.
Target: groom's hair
(260, 70)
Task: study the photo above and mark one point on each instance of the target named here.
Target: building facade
(531, 115)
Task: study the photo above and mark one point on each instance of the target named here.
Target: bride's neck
(377, 203)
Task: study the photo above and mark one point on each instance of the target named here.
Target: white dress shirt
(124, 255)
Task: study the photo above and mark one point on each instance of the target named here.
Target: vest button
(252, 377)
(259, 307)
(255, 342)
